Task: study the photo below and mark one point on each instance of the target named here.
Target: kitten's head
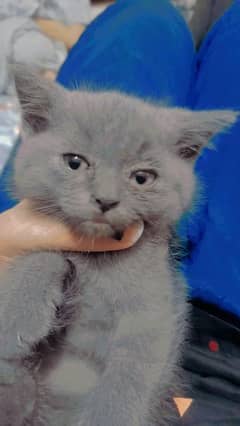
(103, 160)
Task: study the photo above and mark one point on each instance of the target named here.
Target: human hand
(68, 34)
(23, 230)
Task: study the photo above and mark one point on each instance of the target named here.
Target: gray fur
(95, 335)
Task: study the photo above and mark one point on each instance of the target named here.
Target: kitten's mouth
(101, 228)
(116, 234)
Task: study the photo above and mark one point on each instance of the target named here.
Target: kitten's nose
(106, 205)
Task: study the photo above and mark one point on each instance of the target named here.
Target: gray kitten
(87, 339)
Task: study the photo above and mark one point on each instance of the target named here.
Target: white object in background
(10, 124)
(22, 41)
(98, 9)
(68, 11)
(186, 6)
(20, 8)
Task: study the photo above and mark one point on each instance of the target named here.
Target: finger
(22, 230)
(67, 241)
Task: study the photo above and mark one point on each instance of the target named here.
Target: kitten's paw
(17, 395)
(29, 312)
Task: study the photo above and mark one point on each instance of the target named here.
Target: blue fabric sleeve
(140, 47)
(213, 270)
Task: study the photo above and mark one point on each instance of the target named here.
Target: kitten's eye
(75, 161)
(143, 177)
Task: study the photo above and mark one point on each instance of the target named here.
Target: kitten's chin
(95, 229)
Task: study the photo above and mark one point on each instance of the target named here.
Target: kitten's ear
(36, 96)
(198, 128)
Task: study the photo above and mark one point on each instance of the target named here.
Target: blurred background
(40, 33)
